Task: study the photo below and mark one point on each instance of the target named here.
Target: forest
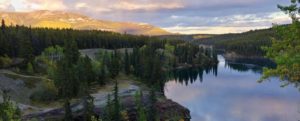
(247, 44)
(81, 74)
(54, 54)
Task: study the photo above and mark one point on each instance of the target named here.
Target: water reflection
(244, 67)
(186, 76)
(229, 92)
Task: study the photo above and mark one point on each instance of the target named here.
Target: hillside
(242, 44)
(60, 19)
(246, 44)
(187, 37)
(261, 34)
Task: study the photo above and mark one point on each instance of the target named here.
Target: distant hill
(248, 43)
(253, 35)
(189, 37)
(60, 19)
(245, 44)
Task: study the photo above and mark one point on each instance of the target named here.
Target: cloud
(30, 5)
(207, 29)
(6, 5)
(81, 5)
(184, 16)
(226, 24)
(147, 6)
(46, 4)
(185, 95)
(263, 109)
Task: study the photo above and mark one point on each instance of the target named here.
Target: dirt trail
(21, 76)
(127, 88)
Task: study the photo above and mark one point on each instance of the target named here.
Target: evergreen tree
(135, 58)
(88, 107)
(152, 109)
(108, 116)
(157, 73)
(116, 103)
(25, 46)
(66, 79)
(68, 112)
(85, 74)
(107, 63)
(71, 53)
(106, 59)
(102, 75)
(2, 25)
(141, 113)
(3, 41)
(114, 67)
(126, 63)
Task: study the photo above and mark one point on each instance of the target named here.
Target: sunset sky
(178, 16)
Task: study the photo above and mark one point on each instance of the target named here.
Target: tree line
(55, 54)
(26, 42)
(247, 44)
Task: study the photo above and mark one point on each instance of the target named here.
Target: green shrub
(30, 68)
(5, 61)
(8, 110)
(46, 93)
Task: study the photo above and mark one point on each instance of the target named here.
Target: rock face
(167, 110)
(170, 110)
(60, 19)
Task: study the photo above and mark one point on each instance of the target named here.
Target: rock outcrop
(166, 110)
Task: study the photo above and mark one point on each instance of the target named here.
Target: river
(232, 93)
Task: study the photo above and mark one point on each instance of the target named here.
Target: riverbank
(262, 61)
(127, 88)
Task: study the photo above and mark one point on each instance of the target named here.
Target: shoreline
(127, 95)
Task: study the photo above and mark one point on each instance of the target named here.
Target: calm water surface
(231, 93)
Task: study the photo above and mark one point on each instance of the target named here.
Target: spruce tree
(85, 77)
(116, 103)
(152, 109)
(25, 46)
(3, 25)
(71, 53)
(126, 63)
(157, 74)
(88, 107)
(66, 79)
(3, 45)
(108, 115)
(102, 75)
(68, 111)
(85, 74)
(141, 112)
(114, 68)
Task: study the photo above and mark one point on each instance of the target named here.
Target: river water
(230, 92)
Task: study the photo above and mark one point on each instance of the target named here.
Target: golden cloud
(44, 4)
(4, 4)
(125, 5)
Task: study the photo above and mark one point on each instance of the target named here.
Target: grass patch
(29, 81)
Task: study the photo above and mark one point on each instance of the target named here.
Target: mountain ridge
(63, 19)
